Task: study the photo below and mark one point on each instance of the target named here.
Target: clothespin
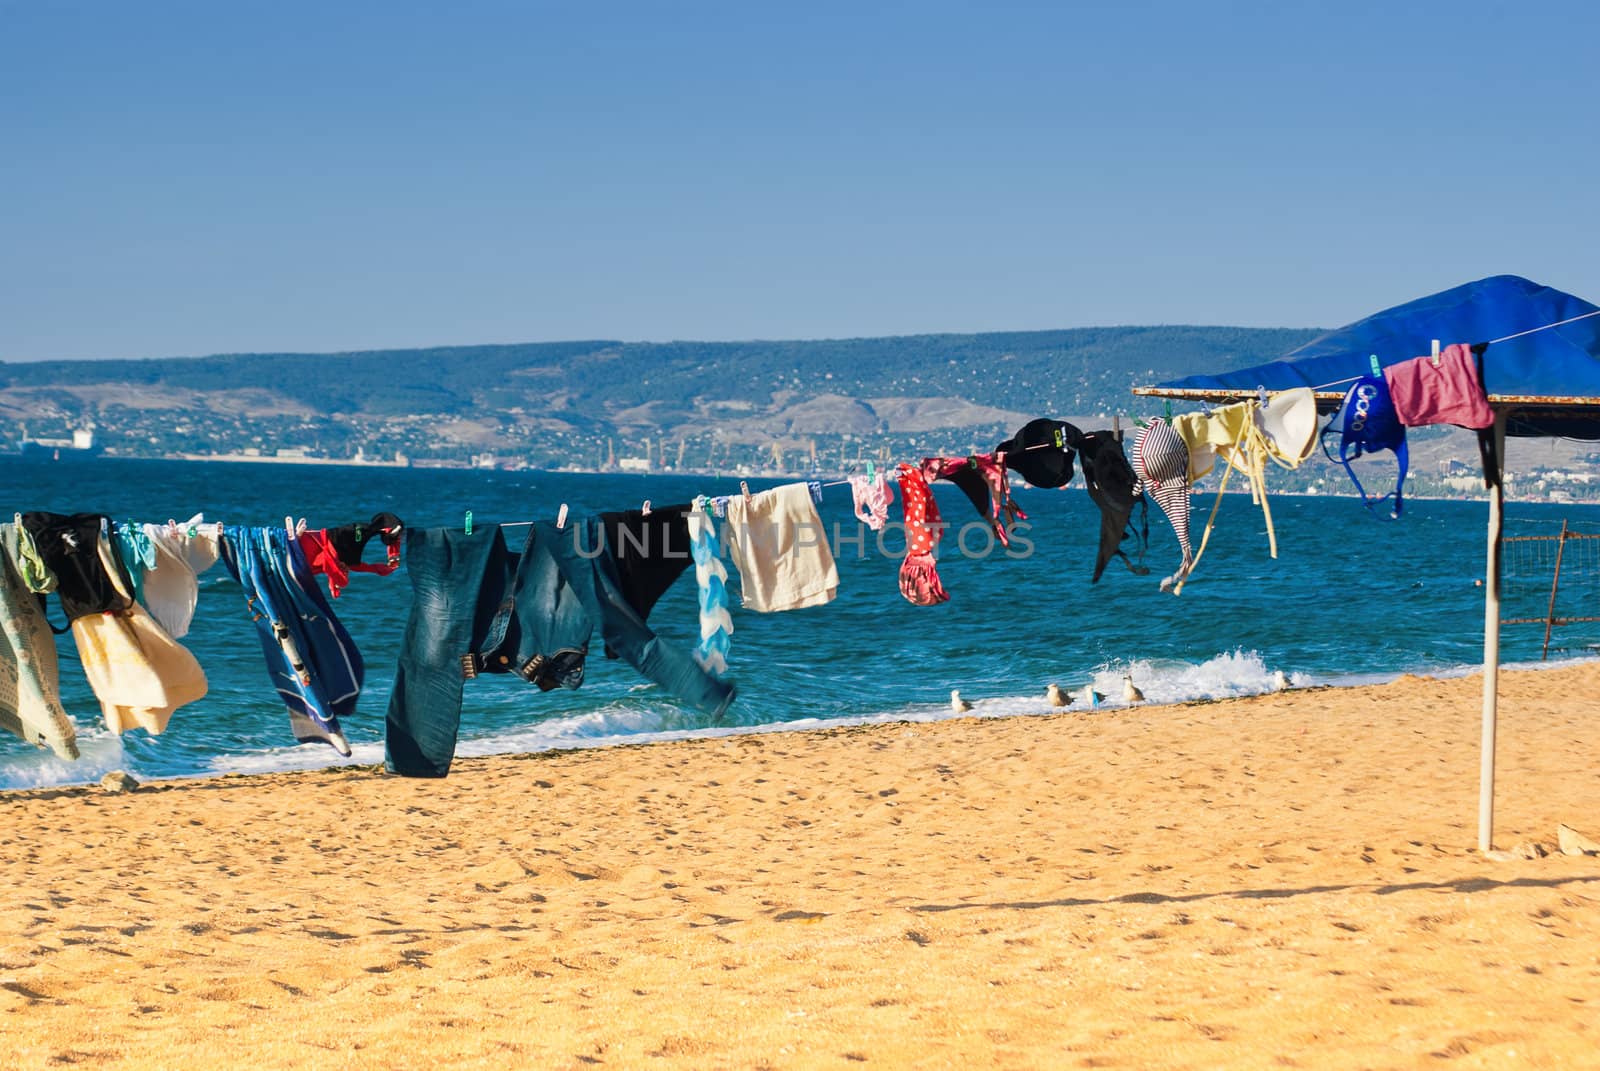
(468, 523)
(1169, 410)
(744, 489)
(644, 511)
(288, 526)
(872, 471)
(1059, 437)
(1261, 395)
(1377, 369)
(561, 517)
(1436, 353)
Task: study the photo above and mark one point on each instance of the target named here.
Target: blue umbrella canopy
(1542, 365)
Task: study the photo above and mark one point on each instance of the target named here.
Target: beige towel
(138, 672)
(777, 541)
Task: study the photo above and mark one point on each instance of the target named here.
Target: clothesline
(895, 477)
(889, 477)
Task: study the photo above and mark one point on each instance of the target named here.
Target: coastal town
(1444, 462)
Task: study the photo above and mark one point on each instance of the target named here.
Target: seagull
(1092, 697)
(957, 704)
(1280, 683)
(1130, 691)
(1057, 697)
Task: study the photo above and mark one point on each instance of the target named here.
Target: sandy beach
(1283, 881)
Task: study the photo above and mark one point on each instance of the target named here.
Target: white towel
(777, 541)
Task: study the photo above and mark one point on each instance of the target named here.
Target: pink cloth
(1451, 393)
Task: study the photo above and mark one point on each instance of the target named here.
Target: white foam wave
(639, 721)
(98, 755)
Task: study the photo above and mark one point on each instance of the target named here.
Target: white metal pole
(1491, 641)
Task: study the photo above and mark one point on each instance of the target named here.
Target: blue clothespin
(469, 522)
(815, 487)
(1261, 395)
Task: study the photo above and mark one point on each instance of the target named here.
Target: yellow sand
(1287, 881)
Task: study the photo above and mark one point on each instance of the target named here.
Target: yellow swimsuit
(1237, 434)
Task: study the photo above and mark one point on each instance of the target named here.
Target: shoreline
(1282, 880)
(369, 754)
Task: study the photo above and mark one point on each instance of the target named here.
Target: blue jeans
(479, 606)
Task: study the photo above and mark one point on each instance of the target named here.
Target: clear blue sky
(189, 178)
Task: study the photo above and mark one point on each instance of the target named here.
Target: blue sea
(1348, 600)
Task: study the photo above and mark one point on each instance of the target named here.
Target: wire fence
(1554, 580)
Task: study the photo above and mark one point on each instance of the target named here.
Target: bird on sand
(1280, 683)
(1092, 697)
(1057, 697)
(1130, 691)
(957, 704)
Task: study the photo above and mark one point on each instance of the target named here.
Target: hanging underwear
(1115, 490)
(919, 573)
(1041, 452)
(872, 498)
(1161, 461)
(335, 553)
(1447, 389)
(982, 478)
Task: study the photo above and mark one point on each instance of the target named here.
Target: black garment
(1113, 487)
(350, 540)
(971, 482)
(651, 551)
(1039, 452)
(69, 546)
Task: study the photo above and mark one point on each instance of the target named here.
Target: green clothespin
(469, 522)
(1377, 370)
(872, 471)
(1169, 410)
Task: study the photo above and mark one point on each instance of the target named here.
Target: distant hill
(753, 391)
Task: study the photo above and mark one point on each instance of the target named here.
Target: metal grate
(1526, 560)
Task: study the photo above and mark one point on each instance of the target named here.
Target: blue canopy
(1548, 380)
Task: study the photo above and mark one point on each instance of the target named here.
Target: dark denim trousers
(479, 606)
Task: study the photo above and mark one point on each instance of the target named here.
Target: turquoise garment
(716, 623)
(138, 555)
